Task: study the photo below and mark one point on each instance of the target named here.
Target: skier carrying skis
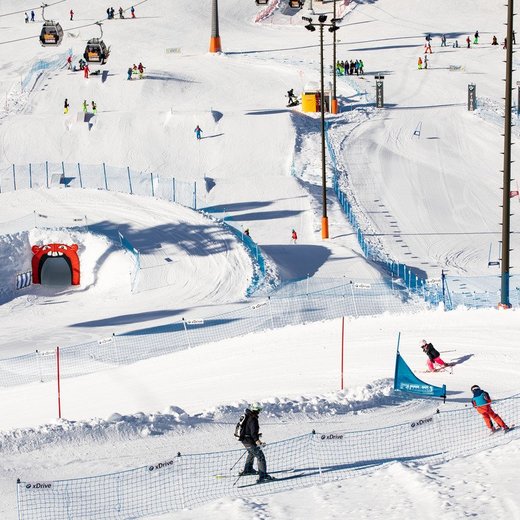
(250, 438)
(198, 132)
(482, 403)
(433, 356)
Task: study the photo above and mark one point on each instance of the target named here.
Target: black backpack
(240, 427)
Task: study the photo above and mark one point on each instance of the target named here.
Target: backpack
(240, 427)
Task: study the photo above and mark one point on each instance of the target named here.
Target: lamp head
(307, 19)
(322, 18)
(310, 27)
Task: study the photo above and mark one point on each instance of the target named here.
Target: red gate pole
(58, 377)
(342, 347)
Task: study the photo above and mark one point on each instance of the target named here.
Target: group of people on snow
(111, 12)
(248, 433)
(33, 17)
(346, 68)
(481, 400)
(84, 106)
(135, 70)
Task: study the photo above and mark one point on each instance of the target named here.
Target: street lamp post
(332, 28)
(334, 103)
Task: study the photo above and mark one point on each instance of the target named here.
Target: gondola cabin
(51, 34)
(96, 50)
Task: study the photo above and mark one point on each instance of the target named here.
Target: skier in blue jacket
(482, 403)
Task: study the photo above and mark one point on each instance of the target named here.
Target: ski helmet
(256, 407)
(475, 387)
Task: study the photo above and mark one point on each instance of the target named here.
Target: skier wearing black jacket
(250, 438)
(433, 356)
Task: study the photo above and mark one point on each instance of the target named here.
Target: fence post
(195, 195)
(173, 189)
(14, 178)
(47, 173)
(63, 172)
(187, 333)
(129, 180)
(58, 377)
(105, 176)
(80, 179)
(151, 183)
(353, 298)
(270, 311)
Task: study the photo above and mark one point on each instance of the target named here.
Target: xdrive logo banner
(38, 485)
(421, 422)
(332, 436)
(160, 465)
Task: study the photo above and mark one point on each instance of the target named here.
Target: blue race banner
(406, 381)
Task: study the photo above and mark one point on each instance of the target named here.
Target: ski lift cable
(98, 22)
(31, 9)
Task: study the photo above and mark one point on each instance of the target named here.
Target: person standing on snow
(71, 15)
(132, 10)
(443, 40)
(433, 356)
(250, 438)
(129, 72)
(85, 106)
(32, 16)
(94, 107)
(198, 132)
(468, 42)
(69, 62)
(482, 403)
(26, 18)
(475, 38)
(121, 15)
(425, 61)
(494, 42)
(419, 63)
(86, 70)
(141, 68)
(294, 236)
(66, 106)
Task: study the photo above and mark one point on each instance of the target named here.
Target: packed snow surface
(424, 175)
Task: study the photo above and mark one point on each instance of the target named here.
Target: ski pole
(238, 460)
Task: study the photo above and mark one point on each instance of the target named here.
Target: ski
(236, 475)
(278, 479)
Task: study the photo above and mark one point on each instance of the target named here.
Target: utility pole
(334, 103)
(506, 182)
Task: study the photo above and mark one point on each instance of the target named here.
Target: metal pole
(506, 183)
(334, 107)
(214, 42)
(324, 219)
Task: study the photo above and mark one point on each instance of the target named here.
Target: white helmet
(256, 407)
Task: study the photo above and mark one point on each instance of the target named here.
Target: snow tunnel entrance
(56, 264)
